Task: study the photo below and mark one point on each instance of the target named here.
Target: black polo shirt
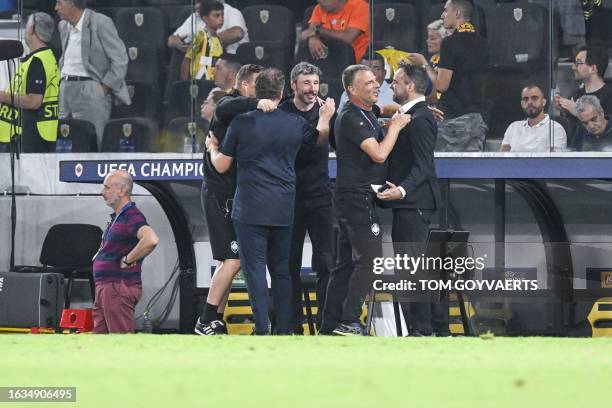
(356, 171)
(228, 107)
(311, 167)
(588, 142)
(264, 146)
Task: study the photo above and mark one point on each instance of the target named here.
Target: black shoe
(443, 334)
(347, 330)
(214, 328)
(416, 333)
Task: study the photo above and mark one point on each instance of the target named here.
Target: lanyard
(110, 225)
(375, 127)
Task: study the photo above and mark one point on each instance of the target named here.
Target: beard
(532, 113)
(400, 99)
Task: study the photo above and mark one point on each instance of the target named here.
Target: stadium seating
(128, 135)
(395, 25)
(332, 88)
(340, 56)
(76, 136)
(145, 25)
(270, 24)
(143, 63)
(68, 249)
(185, 98)
(180, 132)
(145, 101)
(268, 54)
(421, 12)
(518, 35)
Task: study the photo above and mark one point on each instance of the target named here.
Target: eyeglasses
(578, 62)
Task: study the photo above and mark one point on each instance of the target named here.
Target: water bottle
(126, 145)
(188, 145)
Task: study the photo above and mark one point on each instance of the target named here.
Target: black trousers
(312, 215)
(429, 312)
(359, 242)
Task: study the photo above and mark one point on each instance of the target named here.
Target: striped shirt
(118, 240)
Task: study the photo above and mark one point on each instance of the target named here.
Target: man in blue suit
(265, 146)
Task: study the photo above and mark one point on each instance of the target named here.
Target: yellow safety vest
(47, 114)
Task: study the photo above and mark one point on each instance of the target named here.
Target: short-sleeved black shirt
(228, 107)
(466, 54)
(604, 94)
(356, 171)
(311, 167)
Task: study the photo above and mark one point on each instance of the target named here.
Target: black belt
(76, 78)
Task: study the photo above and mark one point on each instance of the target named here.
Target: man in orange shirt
(344, 20)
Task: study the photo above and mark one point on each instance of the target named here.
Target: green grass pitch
(242, 371)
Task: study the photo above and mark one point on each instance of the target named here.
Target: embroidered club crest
(518, 14)
(191, 128)
(234, 247)
(375, 229)
(133, 53)
(264, 16)
(139, 19)
(390, 14)
(194, 91)
(65, 130)
(259, 52)
(131, 91)
(78, 170)
(127, 129)
(324, 89)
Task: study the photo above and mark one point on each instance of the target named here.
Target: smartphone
(383, 188)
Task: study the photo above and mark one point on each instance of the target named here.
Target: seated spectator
(232, 33)
(595, 134)
(385, 95)
(435, 34)
(459, 76)
(343, 20)
(226, 69)
(533, 133)
(589, 68)
(201, 56)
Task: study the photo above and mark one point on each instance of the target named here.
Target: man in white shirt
(232, 33)
(534, 133)
(385, 95)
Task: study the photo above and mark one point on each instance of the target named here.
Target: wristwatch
(317, 29)
(124, 261)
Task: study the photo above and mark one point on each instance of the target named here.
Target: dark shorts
(218, 213)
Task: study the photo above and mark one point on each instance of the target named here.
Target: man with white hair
(595, 134)
(33, 93)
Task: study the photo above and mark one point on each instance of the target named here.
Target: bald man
(117, 264)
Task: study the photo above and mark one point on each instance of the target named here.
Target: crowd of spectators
(100, 79)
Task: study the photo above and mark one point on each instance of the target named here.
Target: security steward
(33, 92)
(413, 192)
(361, 151)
